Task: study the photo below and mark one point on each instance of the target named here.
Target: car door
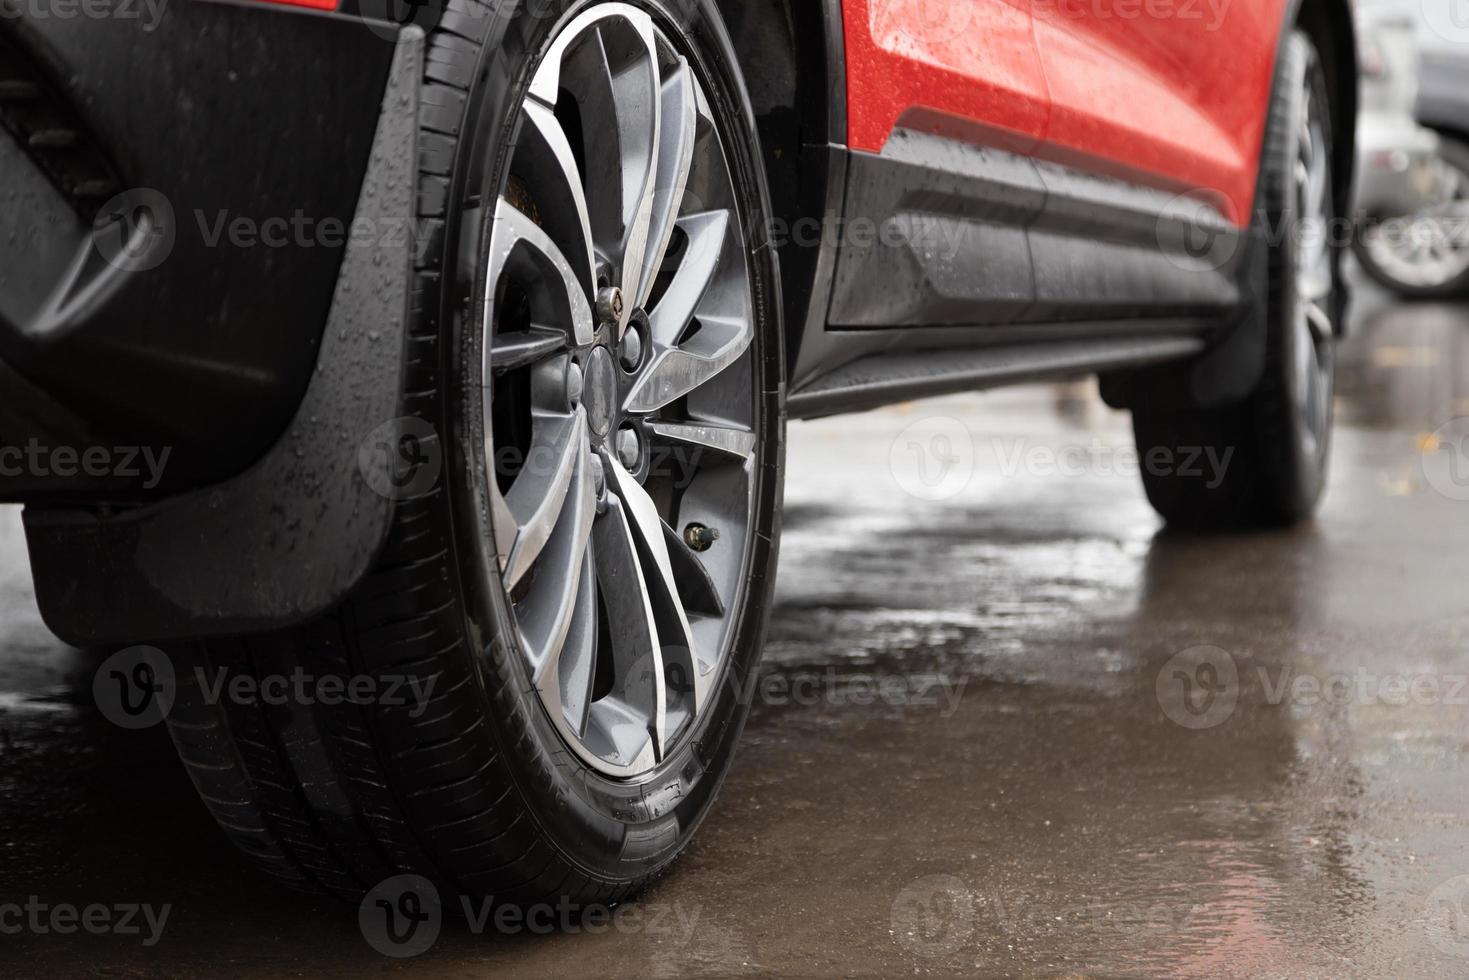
(1168, 93)
(932, 85)
(958, 66)
(1022, 158)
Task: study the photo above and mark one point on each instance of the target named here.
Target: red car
(447, 349)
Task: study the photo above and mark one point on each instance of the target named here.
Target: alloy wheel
(1429, 249)
(619, 392)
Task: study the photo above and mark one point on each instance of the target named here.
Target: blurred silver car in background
(1413, 180)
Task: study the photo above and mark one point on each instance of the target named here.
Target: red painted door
(964, 68)
(1164, 93)
(1171, 93)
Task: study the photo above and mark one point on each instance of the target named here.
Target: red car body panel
(1165, 93)
(920, 59)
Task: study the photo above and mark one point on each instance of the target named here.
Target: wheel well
(790, 54)
(1332, 27)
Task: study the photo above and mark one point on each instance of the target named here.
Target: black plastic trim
(285, 540)
(885, 379)
(968, 234)
(207, 347)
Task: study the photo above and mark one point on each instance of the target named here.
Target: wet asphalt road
(972, 754)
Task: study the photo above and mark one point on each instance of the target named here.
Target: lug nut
(631, 354)
(573, 385)
(599, 483)
(609, 304)
(700, 538)
(629, 450)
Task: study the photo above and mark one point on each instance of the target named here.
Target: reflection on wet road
(1007, 727)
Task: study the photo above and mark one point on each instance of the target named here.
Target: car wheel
(569, 616)
(1263, 461)
(1426, 255)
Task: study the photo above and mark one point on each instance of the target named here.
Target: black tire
(1456, 153)
(1258, 462)
(478, 794)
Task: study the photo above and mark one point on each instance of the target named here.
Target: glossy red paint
(1174, 89)
(923, 56)
(312, 4)
(1166, 93)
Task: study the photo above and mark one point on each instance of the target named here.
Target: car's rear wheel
(1263, 460)
(584, 592)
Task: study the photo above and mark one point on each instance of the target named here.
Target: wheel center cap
(599, 392)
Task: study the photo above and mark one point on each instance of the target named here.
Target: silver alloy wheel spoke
(678, 132)
(706, 234)
(545, 139)
(636, 651)
(675, 638)
(639, 108)
(535, 501)
(676, 371)
(683, 361)
(575, 668)
(515, 236)
(696, 438)
(545, 616)
(517, 350)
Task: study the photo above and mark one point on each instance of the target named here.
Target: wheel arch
(1233, 367)
(791, 54)
(1332, 28)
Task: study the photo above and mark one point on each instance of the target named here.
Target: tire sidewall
(1301, 476)
(614, 830)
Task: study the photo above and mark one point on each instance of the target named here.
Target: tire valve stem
(700, 538)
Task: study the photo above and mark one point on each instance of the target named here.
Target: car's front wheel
(567, 619)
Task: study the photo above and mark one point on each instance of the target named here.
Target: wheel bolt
(631, 354)
(609, 304)
(629, 449)
(700, 538)
(599, 483)
(573, 386)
